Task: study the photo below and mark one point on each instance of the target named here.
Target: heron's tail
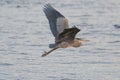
(46, 53)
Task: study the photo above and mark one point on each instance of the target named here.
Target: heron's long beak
(46, 53)
(83, 40)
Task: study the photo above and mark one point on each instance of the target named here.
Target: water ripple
(24, 32)
(117, 41)
(117, 26)
(6, 64)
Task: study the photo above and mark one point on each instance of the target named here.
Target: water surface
(25, 35)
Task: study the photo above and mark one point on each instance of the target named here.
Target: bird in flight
(64, 36)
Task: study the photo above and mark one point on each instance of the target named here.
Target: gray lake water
(25, 35)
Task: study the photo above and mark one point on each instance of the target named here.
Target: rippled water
(25, 35)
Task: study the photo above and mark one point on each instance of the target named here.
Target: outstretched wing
(56, 20)
(68, 35)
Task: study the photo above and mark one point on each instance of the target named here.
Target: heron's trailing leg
(46, 53)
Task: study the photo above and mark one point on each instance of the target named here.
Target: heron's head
(78, 42)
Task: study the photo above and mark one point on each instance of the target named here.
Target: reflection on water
(25, 35)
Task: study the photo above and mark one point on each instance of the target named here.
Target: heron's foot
(45, 54)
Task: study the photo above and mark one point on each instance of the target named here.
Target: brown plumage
(64, 36)
(67, 35)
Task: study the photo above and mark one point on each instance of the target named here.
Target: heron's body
(75, 43)
(64, 36)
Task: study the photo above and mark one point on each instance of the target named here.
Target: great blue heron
(64, 36)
